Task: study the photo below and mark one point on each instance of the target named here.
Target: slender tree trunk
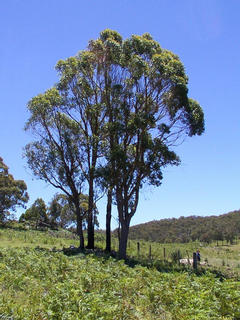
(110, 190)
(80, 228)
(124, 222)
(108, 220)
(118, 230)
(90, 216)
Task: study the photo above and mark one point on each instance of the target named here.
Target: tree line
(59, 214)
(225, 227)
(109, 125)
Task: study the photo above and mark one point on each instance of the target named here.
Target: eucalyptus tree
(148, 113)
(67, 121)
(124, 105)
(55, 154)
(79, 105)
(13, 192)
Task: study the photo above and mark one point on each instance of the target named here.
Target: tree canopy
(147, 113)
(13, 193)
(62, 212)
(115, 115)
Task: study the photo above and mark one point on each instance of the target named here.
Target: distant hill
(185, 229)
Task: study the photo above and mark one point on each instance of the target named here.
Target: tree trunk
(118, 230)
(108, 220)
(123, 239)
(90, 216)
(80, 229)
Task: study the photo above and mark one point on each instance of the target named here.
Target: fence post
(164, 253)
(138, 249)
(194, 260)
(150, 252)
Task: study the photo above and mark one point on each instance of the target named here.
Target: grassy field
(37, 282)
(223, 255)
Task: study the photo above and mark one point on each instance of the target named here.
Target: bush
(176, 256)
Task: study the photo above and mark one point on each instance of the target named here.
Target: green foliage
(87, 287)
(38, 283)
(62, 212)
(12, 192)
(147, 111)
(21, 235)
(176, 256)
(37, 213)
(119, 106)
(186, 229)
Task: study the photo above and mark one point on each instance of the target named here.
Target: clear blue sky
(34, 35)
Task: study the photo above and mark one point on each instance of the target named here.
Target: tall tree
(68, 120)
(13, 192)
(83, 88)
(148, 113)
(56, 155)
(124, 105)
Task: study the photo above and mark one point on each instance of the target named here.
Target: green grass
(214, 255)
(225, 257)
(40, 284)
(11, 238)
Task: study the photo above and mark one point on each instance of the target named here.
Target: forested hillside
(185, 229)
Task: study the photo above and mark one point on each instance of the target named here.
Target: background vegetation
(186, 229)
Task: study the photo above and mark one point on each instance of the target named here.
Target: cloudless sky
(34, 35)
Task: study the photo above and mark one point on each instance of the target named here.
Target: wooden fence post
(164, 253)
(150, 252)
